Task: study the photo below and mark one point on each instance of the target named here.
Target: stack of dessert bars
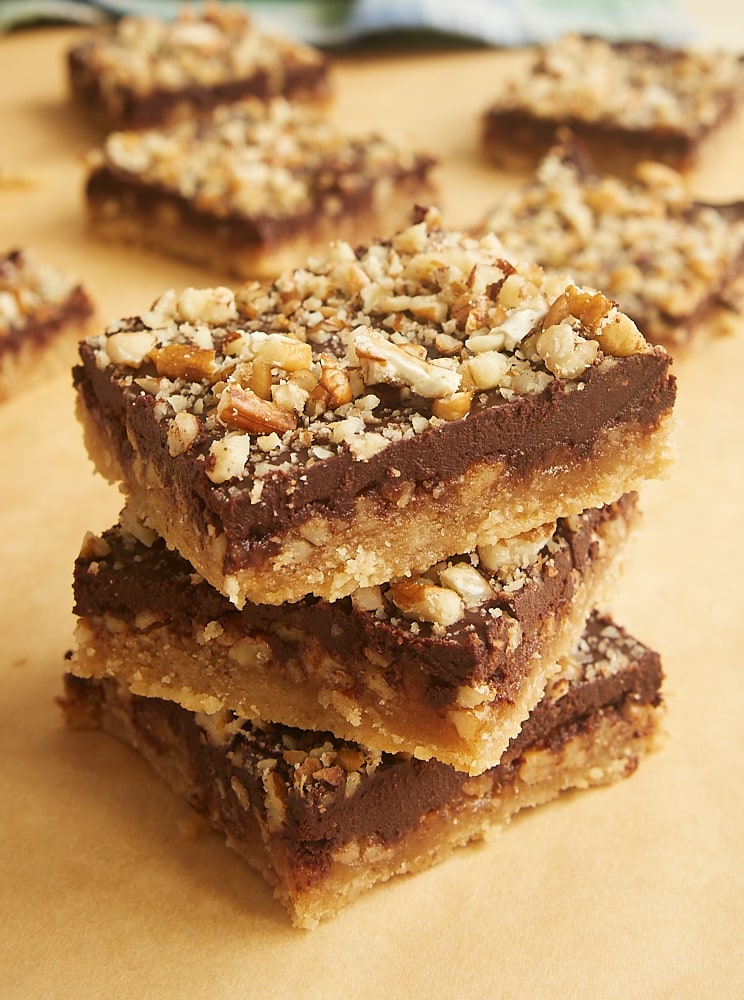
(371, 507)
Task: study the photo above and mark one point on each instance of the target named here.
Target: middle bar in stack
(358, 667)
(406, 467)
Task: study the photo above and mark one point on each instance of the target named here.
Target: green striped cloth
(334, 22)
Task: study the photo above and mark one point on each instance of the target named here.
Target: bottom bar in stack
(325, 819)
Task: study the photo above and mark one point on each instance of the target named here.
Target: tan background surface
(107, 886)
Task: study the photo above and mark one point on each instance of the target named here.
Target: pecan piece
(336, 383)
(243, 410)
(420, 599)
(186, 361)
(383, 361)
(587, 306)
(452, 407)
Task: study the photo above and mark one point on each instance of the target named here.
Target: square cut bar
(675, 265)
(324, 820)
(144, 71)
(371, 414)
(43, 313)
(447, 665)
(628, 101)
(252, 187)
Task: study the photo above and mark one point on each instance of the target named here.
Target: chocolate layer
(317, 793)
(558, 423)
(518, 131)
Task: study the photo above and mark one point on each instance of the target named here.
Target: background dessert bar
(43, 313)
(672, 262)
(252, 188)
(628, 101)
(143, 71)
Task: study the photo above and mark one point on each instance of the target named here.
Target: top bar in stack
(628, 101)
(370, 414)
(144, 71)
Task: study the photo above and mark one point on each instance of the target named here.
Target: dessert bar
(324, 819)
(447, 665)
(252, 187)
(627, 100)
(43, 313)
(371, 414)
(145, 71)
(675, 265)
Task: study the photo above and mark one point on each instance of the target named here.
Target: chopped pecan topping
(426, 601)
(286, 162)
(319, 364)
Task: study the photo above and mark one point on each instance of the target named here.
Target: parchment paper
(108, 885)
